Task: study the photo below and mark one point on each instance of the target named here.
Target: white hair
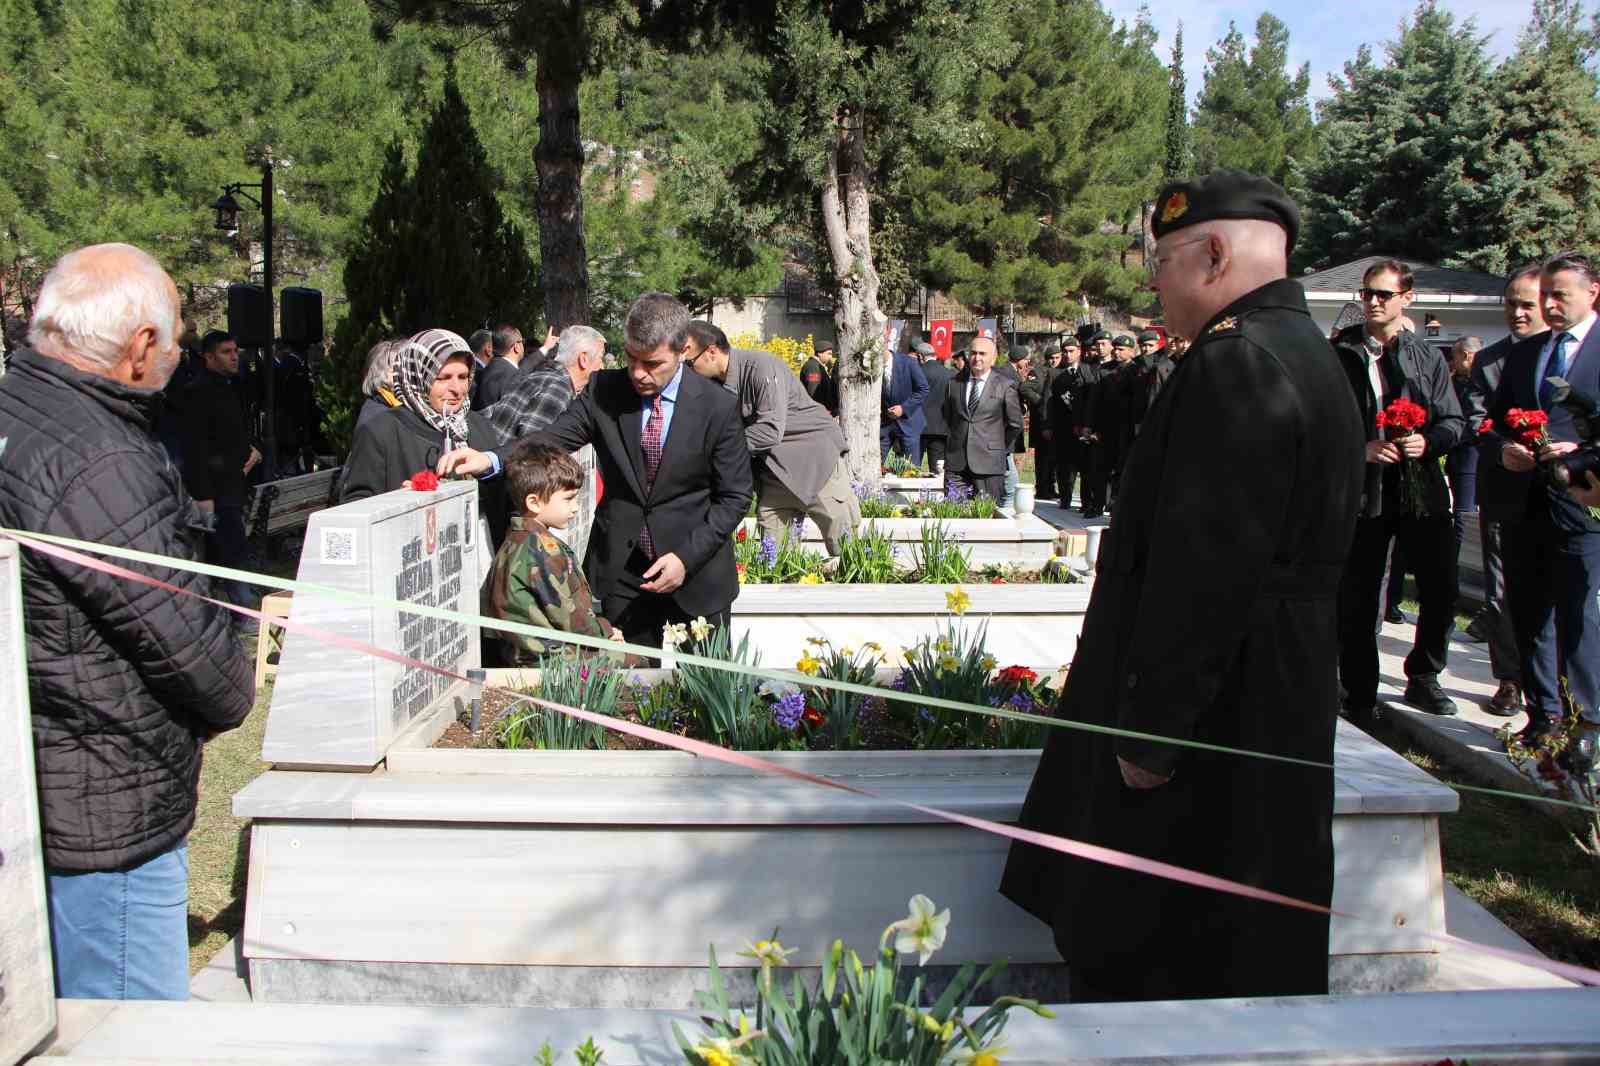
(96, 298)
(575, 339)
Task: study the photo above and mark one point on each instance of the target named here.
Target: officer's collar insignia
(1224, 324)
(1177, 206)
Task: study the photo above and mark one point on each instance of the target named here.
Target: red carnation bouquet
(1401, 419)
(1531, 427)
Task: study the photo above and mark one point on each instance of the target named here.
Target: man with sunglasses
(1404, 497)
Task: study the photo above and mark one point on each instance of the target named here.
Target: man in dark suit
(676, 487)
(1068, 392)
(1211, 619)
(983, 411)
(1553, 548)
(905, 390)
(934, 430)
(501, 374)
(1501, 494)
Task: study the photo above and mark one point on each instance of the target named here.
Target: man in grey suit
(798, 450)
(983, 414)
(1501, 496)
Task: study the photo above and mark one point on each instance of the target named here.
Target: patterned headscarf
(417, 365)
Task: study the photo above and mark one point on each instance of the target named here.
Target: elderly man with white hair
(1213, 620)
(126, 682)
(545, 392)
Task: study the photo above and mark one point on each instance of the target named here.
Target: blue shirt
(669, 403)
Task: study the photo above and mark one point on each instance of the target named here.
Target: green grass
(1519, 864)
(219, 844)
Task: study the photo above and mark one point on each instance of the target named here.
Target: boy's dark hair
(542, 470)
(1399, 269)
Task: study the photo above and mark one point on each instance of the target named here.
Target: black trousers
(641, 621)
(1069, 460)
(1095, 475)
(1504, 660)
(1429, 547)
(1044, 469)
(933, 448)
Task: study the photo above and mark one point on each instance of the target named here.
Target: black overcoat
(1212, 618)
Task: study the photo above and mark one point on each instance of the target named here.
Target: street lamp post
(227, 208)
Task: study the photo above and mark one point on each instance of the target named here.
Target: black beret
(1122, 341)
(1224, 194)
(1149, 335)
(822, 346)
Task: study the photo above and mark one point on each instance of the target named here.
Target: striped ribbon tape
(1064, 845)
(790, 677)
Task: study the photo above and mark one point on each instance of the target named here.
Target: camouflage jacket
(537, 580)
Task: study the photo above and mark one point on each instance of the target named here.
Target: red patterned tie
(650, 444)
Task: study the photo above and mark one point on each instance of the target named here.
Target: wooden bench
(286, 505)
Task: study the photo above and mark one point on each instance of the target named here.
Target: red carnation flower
(425, 481)
(812, 716)
(997, 581)
(744, 535)
(1486, 425)
(1017, 676)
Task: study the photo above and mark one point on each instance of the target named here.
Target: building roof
(1346, 279)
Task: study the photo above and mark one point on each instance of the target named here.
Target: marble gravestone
(27, 980)
(577, 532)
(337, 707)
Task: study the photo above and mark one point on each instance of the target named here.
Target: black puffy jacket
(126, 681)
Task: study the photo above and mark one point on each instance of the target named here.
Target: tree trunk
(847, 222)
(563, 252)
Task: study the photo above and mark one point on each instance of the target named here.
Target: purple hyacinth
(789, 708)
(860, 489)
(769, 550)
(899, 682)
(956, 492)
(1022, 701)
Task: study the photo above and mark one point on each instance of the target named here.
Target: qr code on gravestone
(338, 547)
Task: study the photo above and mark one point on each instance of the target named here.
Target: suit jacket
(493, 382)
(1529, 496)
(785, 429)
(908, 388)
(938, 376)
(1501, 494)
(702, 489)
(979, 444)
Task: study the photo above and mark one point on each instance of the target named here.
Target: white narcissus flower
(922, 931)
(673, 634)
(700, 628)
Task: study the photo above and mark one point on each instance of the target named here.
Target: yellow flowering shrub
(794, 353)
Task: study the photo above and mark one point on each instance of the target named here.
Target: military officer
(1212, 619)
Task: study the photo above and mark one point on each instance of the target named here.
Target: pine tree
(1403, 150)
(1252, 114)
(1178, 149)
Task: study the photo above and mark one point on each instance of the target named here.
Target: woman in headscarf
(378, 384)
(433, 380)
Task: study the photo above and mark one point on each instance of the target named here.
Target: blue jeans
(122, 934)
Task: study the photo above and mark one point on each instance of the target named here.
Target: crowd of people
(1262, 477)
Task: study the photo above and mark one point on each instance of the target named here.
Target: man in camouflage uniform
(536, 579)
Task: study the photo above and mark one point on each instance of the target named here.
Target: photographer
(1553, 552)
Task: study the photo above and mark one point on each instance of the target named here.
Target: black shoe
(1428, 696)
(1579, 758)
(1506, 702)
(1393, 615)
(1364, 718)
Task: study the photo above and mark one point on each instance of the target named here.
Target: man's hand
(208, 506)
(551, 338)
(1382, 451)
(1412, 445)
(1587, 494)
(250, 463)
(463, 461)
(1516, 458)
(666, 574)
(897, 411)
(1555, 449)
(1138, 777)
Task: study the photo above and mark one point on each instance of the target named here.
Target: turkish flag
(940, 335)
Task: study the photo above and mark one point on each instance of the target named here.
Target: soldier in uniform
(1213, 619)
(1067, 394)
(536, 579)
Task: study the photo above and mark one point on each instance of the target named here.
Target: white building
(1449, 304)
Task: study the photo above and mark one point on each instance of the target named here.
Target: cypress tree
(1253, 114)
(1178, 152)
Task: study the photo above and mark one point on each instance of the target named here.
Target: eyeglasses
(1159, 261)
(1383, 296)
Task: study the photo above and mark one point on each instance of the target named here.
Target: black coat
(818, 382)
(1423, 377)
(1069, 396)
(216, 438)
(1212, 618)
(702, 489)
(938, 376)
(125, 681)
(394, 444)
(493, 382)
(1502, 495)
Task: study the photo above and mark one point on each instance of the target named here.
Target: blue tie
(1557, 368)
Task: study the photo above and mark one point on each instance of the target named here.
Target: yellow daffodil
(768, 952)
(922, 931)
(816, 642)
(943, 1031)
(956, 601)
(810, 579)
(808, 665)
(872, 645)
(741, 577)
(847, 651)
(720, 1051)
(700, 629)
(943, 645)
(989, 662)
(984, 1056)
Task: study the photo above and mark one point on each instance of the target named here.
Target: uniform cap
(1149, 335)
(1122, 341)
(1224, 194)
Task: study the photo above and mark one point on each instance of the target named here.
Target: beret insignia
(1177, 204)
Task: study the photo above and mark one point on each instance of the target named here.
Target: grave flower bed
(874, 556)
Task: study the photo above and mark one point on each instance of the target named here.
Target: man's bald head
(1201, 269)
(109, 309)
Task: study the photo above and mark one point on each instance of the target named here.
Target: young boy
(536, 579)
